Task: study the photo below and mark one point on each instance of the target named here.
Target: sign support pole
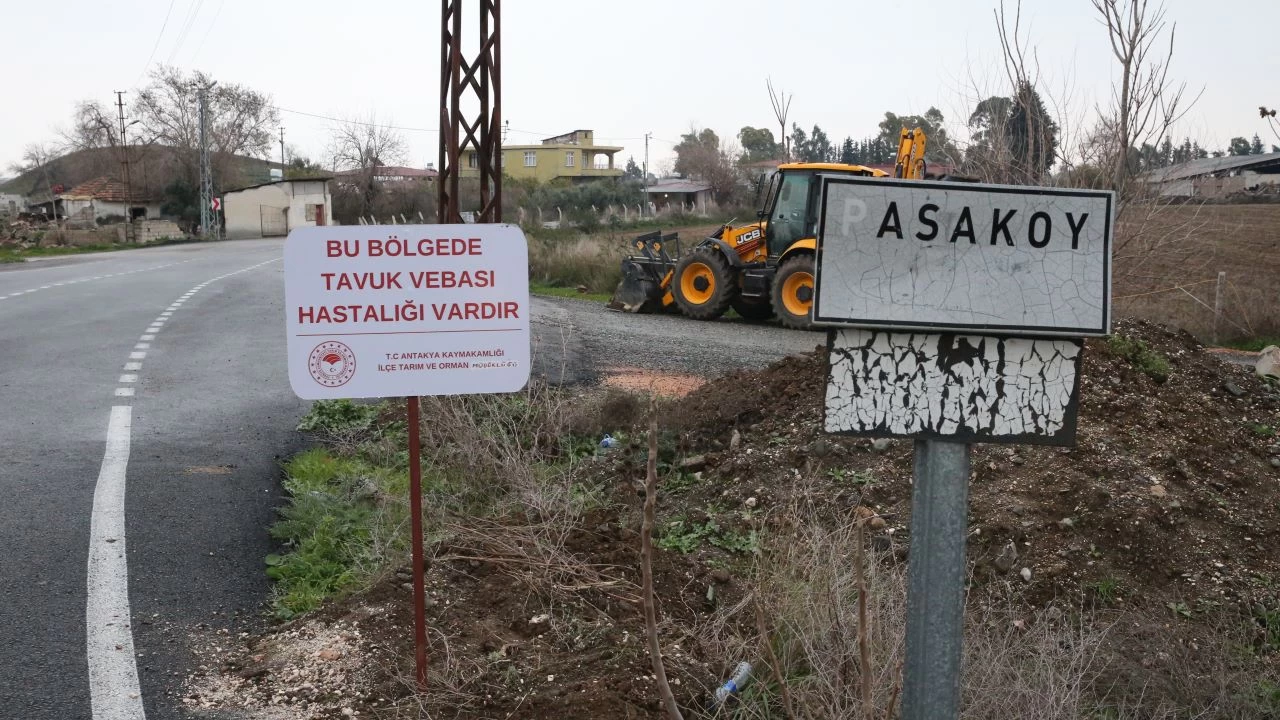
(935, 581)
(419, 572)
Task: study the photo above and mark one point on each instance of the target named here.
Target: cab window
(789, 220)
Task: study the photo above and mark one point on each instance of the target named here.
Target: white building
(273, 209)
(106, 197)
(12, 204)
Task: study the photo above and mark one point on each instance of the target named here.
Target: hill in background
(153, 169)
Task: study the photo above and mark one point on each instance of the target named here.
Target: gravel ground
(577, 341)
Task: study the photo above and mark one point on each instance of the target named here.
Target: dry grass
(593, 261)
(565, 258)
(1162, 248)
(800, 627)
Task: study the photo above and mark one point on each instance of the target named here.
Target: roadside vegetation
(769, 539)
(17, 254)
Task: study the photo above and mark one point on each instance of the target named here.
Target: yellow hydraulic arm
(910, 163)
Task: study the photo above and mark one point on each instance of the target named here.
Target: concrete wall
(275, 209)
(11, 204)
(88, 210)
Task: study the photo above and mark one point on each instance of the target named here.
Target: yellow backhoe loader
(761, 270)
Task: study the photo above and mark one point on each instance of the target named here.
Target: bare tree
(364, 146)
(1146, 102)
(781, 102)
(92, 127)
(36, 157)
(240, 121)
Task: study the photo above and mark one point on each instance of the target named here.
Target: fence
(1214, 309)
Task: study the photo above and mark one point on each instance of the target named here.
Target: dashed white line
(113, 669)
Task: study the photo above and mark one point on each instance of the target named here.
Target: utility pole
(208, 220)
(644, 179)
(124, 159)
(282, 151)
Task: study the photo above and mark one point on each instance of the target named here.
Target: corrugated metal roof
(1209, 166)
(678, 186)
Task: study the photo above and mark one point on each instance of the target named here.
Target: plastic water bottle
(608, 441)
(734, 684)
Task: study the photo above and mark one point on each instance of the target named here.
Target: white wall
(11, 203)
(274, 209)
(72, 207)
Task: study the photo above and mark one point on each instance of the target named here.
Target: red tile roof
(104, 188)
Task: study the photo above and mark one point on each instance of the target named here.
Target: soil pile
(1169, 499)
(1172, 491)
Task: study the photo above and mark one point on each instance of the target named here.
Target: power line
(159, 37)
(192, 14)
(353, 122)
(213, 22)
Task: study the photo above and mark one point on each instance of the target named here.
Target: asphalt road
(146, 407)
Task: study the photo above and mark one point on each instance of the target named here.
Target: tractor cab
(762, 269)
(790, 208)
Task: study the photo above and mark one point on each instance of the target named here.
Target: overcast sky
(621, 68)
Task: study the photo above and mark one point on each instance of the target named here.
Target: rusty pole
(483, 136)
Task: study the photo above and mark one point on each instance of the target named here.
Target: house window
(472, 160)
(531, 159)
(568, 159)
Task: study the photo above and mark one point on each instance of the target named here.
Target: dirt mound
(1170, 493)
(1168, 501)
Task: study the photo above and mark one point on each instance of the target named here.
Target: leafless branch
(781, 102)
(646, 567)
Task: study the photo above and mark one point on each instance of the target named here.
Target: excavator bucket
(644, 275)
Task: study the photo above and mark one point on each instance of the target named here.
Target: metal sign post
(960, 310)
(935, 581)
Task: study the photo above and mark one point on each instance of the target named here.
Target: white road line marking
(137, 355)
(153, 330)
(166, 313)
(128, 378)
(147, 338)
(113, 670)
(44, 287)
(124, 392)
(133, 366)
(142, 346)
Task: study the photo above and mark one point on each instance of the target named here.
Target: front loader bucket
(638, 291)
(641, 288)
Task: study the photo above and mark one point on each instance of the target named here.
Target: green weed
(856, 478)
(542, 288)
(338, 417)
(684, 537)
(1262, 430)
(679, 482)
(1106, 589)
(1151, 363)
(325, 530)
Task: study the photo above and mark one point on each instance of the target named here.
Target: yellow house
(573, 155)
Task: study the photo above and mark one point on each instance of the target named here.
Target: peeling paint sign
(972, 388)
(964, 257)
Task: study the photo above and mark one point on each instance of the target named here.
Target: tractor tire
(792, 292)
(704, 284)
(755, 311)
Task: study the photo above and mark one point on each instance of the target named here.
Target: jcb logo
(747, 237)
